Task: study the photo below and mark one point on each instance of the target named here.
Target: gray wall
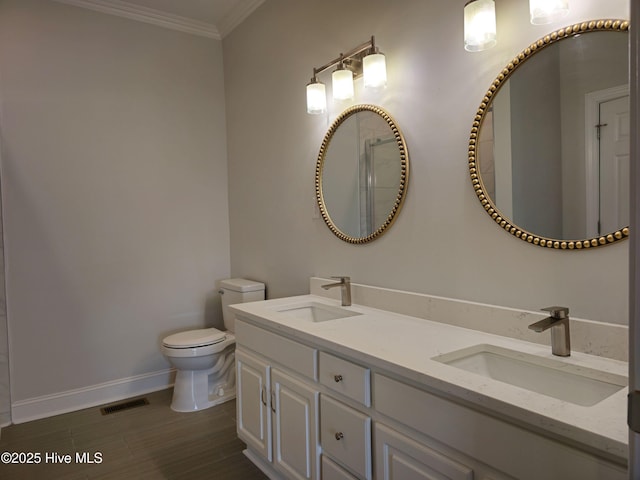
(114, 189)
(536, 159)
(118, 216)
(443, 242)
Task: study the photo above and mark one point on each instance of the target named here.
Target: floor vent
(118, 407)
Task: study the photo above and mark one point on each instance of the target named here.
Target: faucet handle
(342, 279)
(557, 313)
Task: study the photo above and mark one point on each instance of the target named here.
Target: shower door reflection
(379, 185)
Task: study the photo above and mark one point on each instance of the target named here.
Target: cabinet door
(295, 427)
(253, 403)
(401, 458)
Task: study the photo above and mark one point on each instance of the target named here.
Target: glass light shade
(479, 25)
(547, 11)
(342, 81)
(374, 69)
(316, 98)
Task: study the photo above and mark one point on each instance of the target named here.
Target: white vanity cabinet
(309, 410)
(277, 417)
(277, 412)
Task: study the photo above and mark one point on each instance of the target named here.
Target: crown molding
(237, 15)
(156, 17)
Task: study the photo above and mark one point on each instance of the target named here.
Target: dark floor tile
(148, 442)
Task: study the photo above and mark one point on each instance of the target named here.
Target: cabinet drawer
(345, 434)
(346, 378)
(332, 471)
(293, 355)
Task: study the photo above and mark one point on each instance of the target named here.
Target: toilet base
(199, 389)
(183, 405)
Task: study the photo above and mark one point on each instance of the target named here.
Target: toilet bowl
(204, 358)
(205, 368)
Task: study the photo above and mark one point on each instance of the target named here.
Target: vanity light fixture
(316, 97)
(364, 60)
(479, 25)
(374, 67)
(342, 82)
(547, 11)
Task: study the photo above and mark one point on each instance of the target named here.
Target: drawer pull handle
(339, 436)
(262, 396)
(337, 378)
(273, 402)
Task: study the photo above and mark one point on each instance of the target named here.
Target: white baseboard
(78, 399)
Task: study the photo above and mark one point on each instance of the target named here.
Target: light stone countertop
(404, 346)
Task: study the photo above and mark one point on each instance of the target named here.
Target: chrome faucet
(345, 289)
(558, 322)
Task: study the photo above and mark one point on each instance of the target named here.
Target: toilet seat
(194, 338)
(224, 340)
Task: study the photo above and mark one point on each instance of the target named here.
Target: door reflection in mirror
(553, 147)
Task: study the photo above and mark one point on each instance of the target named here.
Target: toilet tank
(238, 290)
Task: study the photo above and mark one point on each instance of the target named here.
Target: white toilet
(204, 359)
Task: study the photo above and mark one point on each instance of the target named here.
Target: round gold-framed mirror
(538, 160)
(362, 174)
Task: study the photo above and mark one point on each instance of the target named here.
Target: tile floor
(147, 442)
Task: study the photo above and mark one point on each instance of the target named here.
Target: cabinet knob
(337, 378)
(339, 436)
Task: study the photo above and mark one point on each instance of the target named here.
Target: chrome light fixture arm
(351, 60)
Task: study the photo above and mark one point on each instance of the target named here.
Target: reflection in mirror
(361, 174)
(549, 150)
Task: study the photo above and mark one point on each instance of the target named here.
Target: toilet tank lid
(241, 285)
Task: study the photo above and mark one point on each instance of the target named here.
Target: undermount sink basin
(554, 378)
(316, 312)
